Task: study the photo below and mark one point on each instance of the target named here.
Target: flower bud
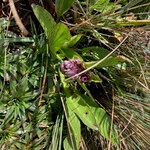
(84, 78)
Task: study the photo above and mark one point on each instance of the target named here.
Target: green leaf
(104, 124)
(70, 54)
(47, 22)
(108, 62)
(18, 39)
(62, 6)
(73, 139)
(67, 144)
(9, 116)
(19, 145)
(89, 112)
(45, 19)
(23, 83)
(72, 41)
(58, 35)
(132, 23)
(103, 121)
(61, 35)
(95, 52)
(57, 134)
(92, 116)
(13, 85)
(82, 110)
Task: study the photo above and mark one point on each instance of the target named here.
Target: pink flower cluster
(72, 67)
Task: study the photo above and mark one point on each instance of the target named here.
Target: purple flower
(84, 78)
(72, 67)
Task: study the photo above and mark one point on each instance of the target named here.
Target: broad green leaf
(82, 110)
(108, 62)
(47, 22)
(45, 19)
(92, 116)
(62, 6)
(94, 52)
(89, 112)
(73, 139)
(61, 35)
(70, 53)
(67, 144)
(58, 35)
(103, 121)
(72, 41)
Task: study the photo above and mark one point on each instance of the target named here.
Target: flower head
(72, 67)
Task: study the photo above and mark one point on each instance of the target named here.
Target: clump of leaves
(40, 107)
